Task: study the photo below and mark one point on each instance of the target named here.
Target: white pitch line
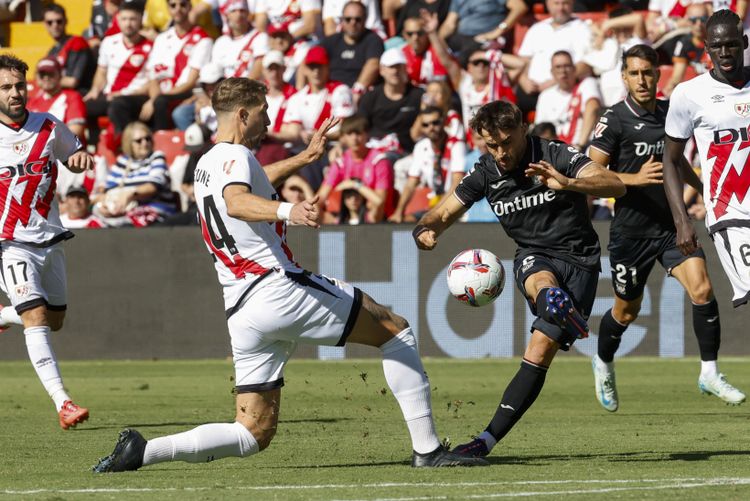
(673, 483)
(677, 485)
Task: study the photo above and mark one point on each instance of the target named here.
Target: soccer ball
(476, 277)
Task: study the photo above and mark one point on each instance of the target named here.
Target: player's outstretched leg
(405, 375)
(554, 305)
(520, 394)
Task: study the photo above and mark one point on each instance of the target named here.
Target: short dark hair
(640, 51)
(620, 10)
(355, 123)
(53, 7)
(496, 116)
(724, 17)
(544, 128)
(429, 110)
(12, 63)
(133, 6)
(234, 92)
(562, 53)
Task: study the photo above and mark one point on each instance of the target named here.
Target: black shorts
(580, 283)
(632, 259)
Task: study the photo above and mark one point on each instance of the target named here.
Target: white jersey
(221, 7)
(237, 55)
(173, 56)
(242, 251)
(286, 13)
(565, 109)
(718, 115)
(125, 63)
(30, 155)
(310, 109)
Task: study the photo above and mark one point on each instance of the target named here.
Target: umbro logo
(718, 98)
(639, 126)
(498, 184)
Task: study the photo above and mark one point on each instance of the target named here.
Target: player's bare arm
(689, 175)
(278, 172)
(650, 172)
(673, 186)
(593, 179)
(436, 221)
(80, 161)
(242, 204)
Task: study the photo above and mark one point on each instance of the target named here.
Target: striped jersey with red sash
(242, 251)
(125, 63)
(310, 109)
(30, 152)
(173, 56)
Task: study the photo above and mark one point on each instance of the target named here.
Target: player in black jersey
(537, 188)
(630, 139)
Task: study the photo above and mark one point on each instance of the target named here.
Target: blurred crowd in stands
(405, 77)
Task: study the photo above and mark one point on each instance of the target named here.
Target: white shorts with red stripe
(283, 309)
(34, 276)
(733, 247)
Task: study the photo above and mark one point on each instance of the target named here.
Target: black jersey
(539, 219)
(630, 134)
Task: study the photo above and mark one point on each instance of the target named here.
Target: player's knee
(702, 293)
(626, 315)
(264, 438)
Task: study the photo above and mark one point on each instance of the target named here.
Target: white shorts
(33, 276)
(284, 309)
(733, 247)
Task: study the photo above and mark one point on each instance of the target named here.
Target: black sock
(707, 327)
(518, 397)
(610, 335)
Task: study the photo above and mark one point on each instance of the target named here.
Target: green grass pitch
(341, 434)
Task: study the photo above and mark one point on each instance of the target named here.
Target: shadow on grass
(615, 457)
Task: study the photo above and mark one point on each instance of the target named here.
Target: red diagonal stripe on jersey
(128, 71)
(239, 266)
(22, 211)
(734, 183)
(44, 204)
(242, 68)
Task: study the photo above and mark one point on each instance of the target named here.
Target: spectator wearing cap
(301, 18)
(174, 65)
(333, 12)
(121, 82)
(294, 53)
(198, 108)
(203, 9)
(321, 98)
(355, 51)
(479, 21)
(71, 51)
(437, 162)
(279, 91)
(392, 107)
(423, 64)
(76, 213)
(369, 166)
(49, 96)
(241, 51)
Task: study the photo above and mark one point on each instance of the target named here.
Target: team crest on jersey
(21, 148)
(23, 290)
(137, 59)
(228, 167)
(742, 109)
(245, 56)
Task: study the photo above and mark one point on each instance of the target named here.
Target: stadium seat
(667, 70)
(170, 142)
(333, 202)
(419, 202)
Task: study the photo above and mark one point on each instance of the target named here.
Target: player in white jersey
(272, 304)
(715, 108)
(33, 262)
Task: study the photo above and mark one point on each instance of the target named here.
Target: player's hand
(425, 238)
(650, 173)
(548, 175)
(80, 161)
(316, 146)
(687, 241)
(306, 213)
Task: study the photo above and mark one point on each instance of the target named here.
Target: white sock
(489, 440)
(8, 315)
(709, 369)
(202, 444)
(43, 359)
(406, 377)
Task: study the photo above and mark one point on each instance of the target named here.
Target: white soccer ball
(476, 277)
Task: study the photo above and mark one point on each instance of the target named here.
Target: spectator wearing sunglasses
(690, 48)
(174, 65)
(72, 52)
(355, 51)
(137, 190)
(333, 11)
(438, 163)
(423, 64)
